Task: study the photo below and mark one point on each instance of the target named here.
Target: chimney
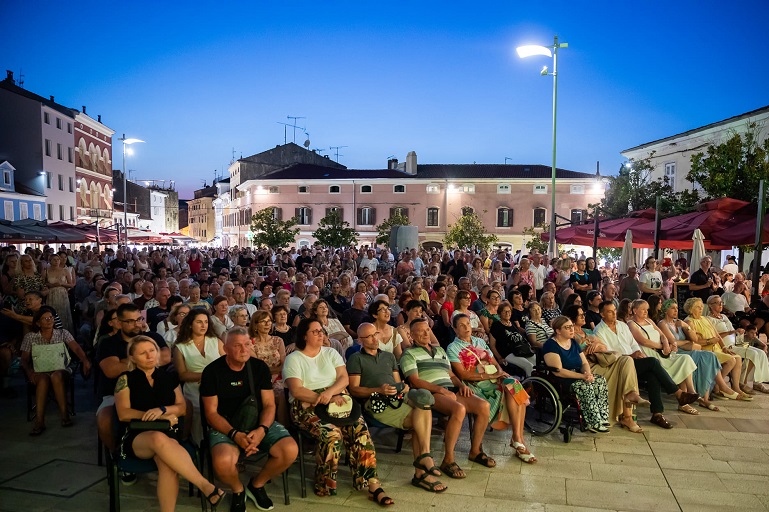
(392, 163)
(99, 118)
(83, 109)
(9, 75)
(52, 100)
(411, 163)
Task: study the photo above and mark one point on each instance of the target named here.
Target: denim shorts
(273, 435)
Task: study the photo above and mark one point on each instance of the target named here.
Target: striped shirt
(433, 368)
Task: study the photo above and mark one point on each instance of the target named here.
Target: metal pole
(596, 228)
(553, 246)
(125, 195)
(757, 251)
(657, 227)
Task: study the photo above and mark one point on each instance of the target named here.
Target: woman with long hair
(477, 275)
(196, 347)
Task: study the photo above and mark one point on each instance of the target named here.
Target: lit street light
(126, 142)
(549, 51)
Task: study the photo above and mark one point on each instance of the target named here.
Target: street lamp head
(131, 141)
(530, 50)
(544, 71)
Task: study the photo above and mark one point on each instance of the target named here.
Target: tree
(733, 168)
(383, 238)
(469, 231)
(270, 231)
(536, 241)
(335, 232)
(610, 254)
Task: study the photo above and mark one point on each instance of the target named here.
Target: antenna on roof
(336, 149)
(20, 81)
(295, 118)
(233, 157)
(506, 159)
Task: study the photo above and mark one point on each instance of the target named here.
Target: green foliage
(335, 232)
(469, 231)
(734, 168)
(383, 238)
(272, 233)
(610, 254)
(536, 241)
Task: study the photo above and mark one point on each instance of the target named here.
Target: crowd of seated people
(334, 339)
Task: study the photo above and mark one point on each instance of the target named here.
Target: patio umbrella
(627, 259)
(698, 251)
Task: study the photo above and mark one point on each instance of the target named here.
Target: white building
(671, 156)
(158, 211)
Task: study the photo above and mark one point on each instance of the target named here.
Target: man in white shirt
(540, 273)
(618, 338)
(369, 261)
(240, 300)
(731, 265)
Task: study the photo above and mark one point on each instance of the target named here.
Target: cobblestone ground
(717, 460)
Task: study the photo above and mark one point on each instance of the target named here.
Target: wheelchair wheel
(544, 413)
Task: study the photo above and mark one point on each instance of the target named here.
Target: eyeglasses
(46, 318)
(265, 321)
(181, 313)
(316, 332)
(569, 326)
(382, 310)
(129, 321)
(581, 314)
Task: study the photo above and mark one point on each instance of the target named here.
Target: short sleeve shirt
(373, 370)
(432, 367)
(317, 372)
(456, 346)
(35, 338)
(570, 359)
(231, 387)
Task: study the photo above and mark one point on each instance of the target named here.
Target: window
(540, 189)
(50, 212)
(468, 189)
(47, 147)
(23, 210)
(432, 217)
(399, 189)
(37, 211)
(58, 123)
(304, 189)
(69, 127)
(433, 189)
(399, 210)
(61, 182)
(577, 189)
(70, 155)
(71, 184)
(539, 217)
(277, 213)
(578, 216)
(367, 216)
(670, 174)
(304, 215)
(365, 189)
(334, 189)
(59, 152)
(274, 190)
(335, 209)
(504, 217)
(467, 210)
(49, 179)
(71, 213)
(8, 210)
(46, 118)
(61, 212)
(6, 177)
(503, 189)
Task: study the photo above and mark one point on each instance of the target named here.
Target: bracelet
(232, 433)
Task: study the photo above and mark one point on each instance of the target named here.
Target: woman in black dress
(148, 393)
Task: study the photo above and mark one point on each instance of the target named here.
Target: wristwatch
(265, 427)
(162, 409)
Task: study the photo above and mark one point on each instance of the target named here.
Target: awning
(611, 231)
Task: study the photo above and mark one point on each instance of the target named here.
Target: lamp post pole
(125, 196)
(553, 246)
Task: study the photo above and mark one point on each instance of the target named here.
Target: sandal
(742, 397)
(382, 501)
(433, 471)
(453, 470)
(66, 422)
(419, 481)
(709, 407)
(638, 403)
(484, 460)
(688, 409)
(747, 390)
(634, 428)
(724, 396)
(659, 420)
(37, 430)
(215, 493)
(687, 398)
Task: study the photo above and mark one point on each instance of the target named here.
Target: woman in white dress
(196, 347)
(655, 344)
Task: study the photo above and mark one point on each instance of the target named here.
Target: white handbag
(50, 357)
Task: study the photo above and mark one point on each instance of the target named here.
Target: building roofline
(701, 128)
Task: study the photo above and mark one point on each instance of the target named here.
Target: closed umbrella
(627, 259)
(698, 250)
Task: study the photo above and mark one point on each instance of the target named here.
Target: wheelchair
(552, 405)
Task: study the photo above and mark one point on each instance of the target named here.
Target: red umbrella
(742, 233)
(611, 231)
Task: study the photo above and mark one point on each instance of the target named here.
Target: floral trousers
(357, 442)
(593, 400)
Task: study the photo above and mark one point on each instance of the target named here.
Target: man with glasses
(112, 359)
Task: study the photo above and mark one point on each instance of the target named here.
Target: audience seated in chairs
(237, 428)
(148, 394)
(374, 378)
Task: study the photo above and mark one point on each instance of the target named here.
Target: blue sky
(196, 79)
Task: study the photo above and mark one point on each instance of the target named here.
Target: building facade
(202, 223)
(671, 156)
(37, 136)
(18, 204)
(93, 169)
(508, 198)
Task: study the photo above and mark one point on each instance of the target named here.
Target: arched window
(365, 189)
(334, 189)
(399, 189)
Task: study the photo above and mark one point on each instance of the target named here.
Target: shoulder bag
(246, 417)
(49, 358)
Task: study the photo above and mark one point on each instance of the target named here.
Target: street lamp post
(549, 51)
(126, 142)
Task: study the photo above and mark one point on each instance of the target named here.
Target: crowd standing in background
(442, 330)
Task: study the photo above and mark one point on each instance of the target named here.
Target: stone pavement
(718, 460)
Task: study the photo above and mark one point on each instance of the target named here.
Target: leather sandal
(659, 420)
(432, 471)
(634, 428)
(688, 409)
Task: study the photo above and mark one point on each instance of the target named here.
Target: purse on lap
(49, 358)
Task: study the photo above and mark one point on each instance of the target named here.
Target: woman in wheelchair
(618, 370)
(565, 358)
(473, 362)
(148, 394)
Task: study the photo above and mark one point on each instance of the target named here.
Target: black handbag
(520, 347)
(152, 426)
(246, 417)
